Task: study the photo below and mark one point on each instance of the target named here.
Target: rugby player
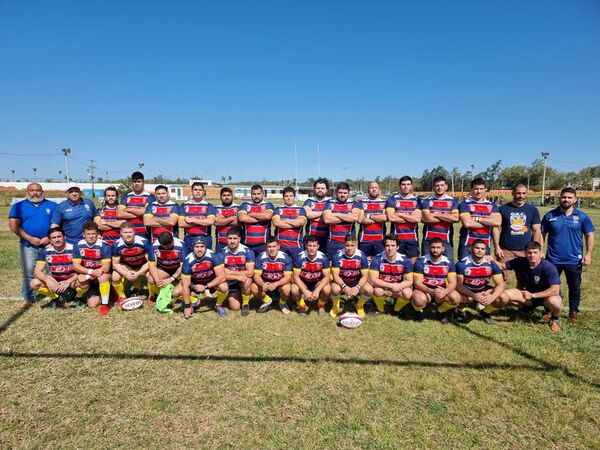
(133, 204)
(314, 207)
(474, 274)
(226, 217)
(162, 214)
(373, 222)
(391, 276)
(404, 213)
(91, 260)
(272, 276)
(202, 272)
(311, 278)
(255, 216)
(239, 270)
(341, 214)
(60, 277)
(107, 218)
(350, 271)
(289, 220)
(196, 218)
(435, 280)
(478, 216)
(439, 213)
(164, 264)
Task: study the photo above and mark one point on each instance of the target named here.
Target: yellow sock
(445, 307)
(335, 306)
(490, 309)
(152, 290)
(221, 296)
(245, 299)
(80, 291)
(47, 292)
(418, 308)
(105, 292)
(301, 303)
(267, 299)
(462, 309)
(360, 305)
(321, 303)
(193, 299)
(380, 303)
(400, 303)
(119, 288)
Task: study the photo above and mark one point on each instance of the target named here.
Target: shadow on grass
(542, 364)
(12, 319)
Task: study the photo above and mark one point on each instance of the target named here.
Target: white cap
(72, 185)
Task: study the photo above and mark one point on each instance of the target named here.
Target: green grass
(140, 379)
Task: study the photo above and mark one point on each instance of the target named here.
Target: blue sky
(226, 87)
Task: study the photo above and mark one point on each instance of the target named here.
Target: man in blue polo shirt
(30, 220)
(72, 213)
(565, 227)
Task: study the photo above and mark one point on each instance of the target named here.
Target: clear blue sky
(225, 87)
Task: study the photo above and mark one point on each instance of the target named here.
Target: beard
(36, 199)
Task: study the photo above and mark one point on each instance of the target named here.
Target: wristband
(344, 286)
(90, 271)
(88, 276)
(533, 295)
(358, 286)
(173, 279)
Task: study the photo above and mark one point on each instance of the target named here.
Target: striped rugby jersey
(444, 205)
(405, 232)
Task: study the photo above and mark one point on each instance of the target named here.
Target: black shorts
(409, 248)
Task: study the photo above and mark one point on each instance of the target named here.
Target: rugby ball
(132, 303)
(350, 320)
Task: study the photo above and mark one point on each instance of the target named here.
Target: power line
(28, 154)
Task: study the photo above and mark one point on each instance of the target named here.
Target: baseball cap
(72, 185)
(200, 240)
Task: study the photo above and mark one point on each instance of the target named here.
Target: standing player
(272, 276)
(391, 276)
(372, 228)
(226, 218)
(439, 213)
(350, 270)
(435, 280)
(91, 260)
(164, 264)
(196, 218)
(256, 216)
(341, 214)
(478, 216)
(289, 220)
(520, 225)
(54, 272)
(133, 205)
(404, 212)
(162, 214)
(73, 213)
(314, 207)
(107, 216)
(202, 272)
(311, 278)
(565, 227)
(239, 270)
(474, 274)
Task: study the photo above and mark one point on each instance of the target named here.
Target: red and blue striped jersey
(109, 214)
(476, 277)
(166, 259)
(163, 210)
(256, 233)
(374, 231)
(60, 263)
(201, 271)
(434, 274)
(289, 237)
(482, 208)
(133, 200)
(273, 270)
(350, 267)
(237, 260)
(338, 231)
(225, 211)
(202, 210)
(134, 255)
(405, 232)
(311, 270)
(317, 227)
(444, 205)
(91, 256)
(391, 271)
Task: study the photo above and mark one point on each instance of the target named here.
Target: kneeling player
(311, 278)
(538, 284)
(59, 281)
(164, 264)
(391, 276)
(435, 280)
(201, 273)
(350, 270)
(474, 273)
(272, 276)
(91, 260)
(239, 269)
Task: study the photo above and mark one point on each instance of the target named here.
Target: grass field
(139, 379)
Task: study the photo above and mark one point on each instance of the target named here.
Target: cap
(200, 240)
(72, 185)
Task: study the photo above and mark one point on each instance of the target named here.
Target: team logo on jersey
(86, 206)
(518, 223)
(536, 279)
(48, 211)
(575, 218)
(426, 270)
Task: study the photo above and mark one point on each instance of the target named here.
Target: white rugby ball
(350, 320)
(132, 303)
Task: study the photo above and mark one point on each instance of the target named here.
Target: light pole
(545, 156)
(66, 152)
(13, 172)
(35, 174)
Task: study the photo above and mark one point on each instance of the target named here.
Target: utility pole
(92, 175)
(346, 167)
(318, 160)
(296, 159)
(66, 152)
(545, 156)
(13, 172)
(34, 174)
